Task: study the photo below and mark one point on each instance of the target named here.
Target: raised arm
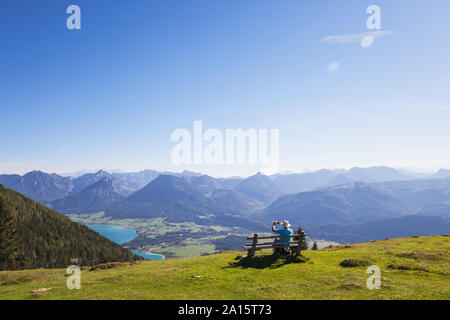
(274, 224)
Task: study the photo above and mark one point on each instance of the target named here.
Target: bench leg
(251, 252)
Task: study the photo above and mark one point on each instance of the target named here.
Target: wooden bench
(294, 244)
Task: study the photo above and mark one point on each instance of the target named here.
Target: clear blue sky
(110, 95)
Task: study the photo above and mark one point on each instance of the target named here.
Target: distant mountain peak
(94, 198)
(260, 187)
(102, 172)
(164, 187)
(259, 175)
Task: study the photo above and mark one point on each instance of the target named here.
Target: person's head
(286, 224)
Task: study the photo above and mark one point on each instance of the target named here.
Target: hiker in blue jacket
(285, 231)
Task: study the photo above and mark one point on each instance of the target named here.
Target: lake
(121, 235)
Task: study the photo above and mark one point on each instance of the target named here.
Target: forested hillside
(34, 236)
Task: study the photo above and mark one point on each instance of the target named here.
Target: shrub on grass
(354, 262)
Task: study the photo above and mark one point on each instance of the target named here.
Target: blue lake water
(149, 256)
(121, 235)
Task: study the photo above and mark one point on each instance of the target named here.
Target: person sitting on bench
(285, 231)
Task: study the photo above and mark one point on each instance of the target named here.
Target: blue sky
(110, 95)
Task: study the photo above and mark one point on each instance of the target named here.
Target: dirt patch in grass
(349, 286)
(419, 255)
(337, 247)
(8, 282)
(109, 265)
(6, 279)
(354, 262)
(406, 267)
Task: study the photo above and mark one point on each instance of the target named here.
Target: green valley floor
(411, 268)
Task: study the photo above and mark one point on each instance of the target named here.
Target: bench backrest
(273, 237)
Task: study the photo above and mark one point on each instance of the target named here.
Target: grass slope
(220, 276)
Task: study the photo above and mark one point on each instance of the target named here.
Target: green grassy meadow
(411, 268)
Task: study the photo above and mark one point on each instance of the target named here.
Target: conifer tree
(314, 247)
(302, 239)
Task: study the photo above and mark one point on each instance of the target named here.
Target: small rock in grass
(41, 290)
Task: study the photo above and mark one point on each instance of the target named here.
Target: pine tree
(314, 247)
(302, 239)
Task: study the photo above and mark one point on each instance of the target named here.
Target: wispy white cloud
(382, 116)
(446, 77)
(355, 37)
(442, 108)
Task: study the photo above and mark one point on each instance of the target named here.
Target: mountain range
(325, 197)
(44, 187)
(302, 182)
(39, 186)
(352, 202)
(406, 226)
(178, 200)
(357, 202)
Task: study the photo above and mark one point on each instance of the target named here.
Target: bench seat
(271, 245)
